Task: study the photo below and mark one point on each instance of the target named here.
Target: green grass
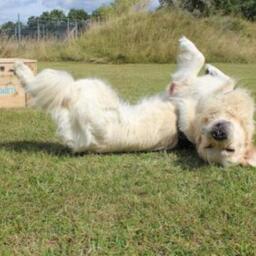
(161, 203)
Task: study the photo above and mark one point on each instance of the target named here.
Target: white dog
(91, 117)
(213, 115)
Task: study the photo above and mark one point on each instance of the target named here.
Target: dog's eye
(230, 150)
(208, 147)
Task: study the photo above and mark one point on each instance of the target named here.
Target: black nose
(220, 131)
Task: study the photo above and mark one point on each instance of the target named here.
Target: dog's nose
(220, 131)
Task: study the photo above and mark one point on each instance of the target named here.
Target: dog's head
(222, 127)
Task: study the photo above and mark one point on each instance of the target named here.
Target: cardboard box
(12, 94)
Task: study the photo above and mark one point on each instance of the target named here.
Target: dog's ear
(172, 89)
(176, 88)
(250, 156)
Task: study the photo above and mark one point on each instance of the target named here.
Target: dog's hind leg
(50, 89)
(23, 72)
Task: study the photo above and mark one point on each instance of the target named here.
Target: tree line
(55, 18)
(243, 8)
(49, 21)
(56, 22)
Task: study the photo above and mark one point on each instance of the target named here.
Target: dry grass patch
(147, 37)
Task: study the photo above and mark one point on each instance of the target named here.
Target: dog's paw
(23, 72)
(18, 64)
(189, 53)
(18, 67)
(187, 45)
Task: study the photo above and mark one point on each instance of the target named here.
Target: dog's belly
(142, 130)
(147, 128)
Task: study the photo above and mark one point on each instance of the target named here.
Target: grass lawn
(161, 203)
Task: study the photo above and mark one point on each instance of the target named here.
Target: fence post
(68, 27)
(15, 32)
(43, 32)
(19, 29)
(76, 29)
(38, 30)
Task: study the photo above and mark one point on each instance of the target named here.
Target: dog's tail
(50, 89)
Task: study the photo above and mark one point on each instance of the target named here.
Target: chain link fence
(41, 29)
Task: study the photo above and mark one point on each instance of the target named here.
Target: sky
(9, 9)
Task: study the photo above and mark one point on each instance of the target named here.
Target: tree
(45, 16)
(243, 8)
(53, 21)
(102, 12)
(8, 28)
(248, 9)
(78, 14)
(57, 14)
(198, 7)
(32, 22)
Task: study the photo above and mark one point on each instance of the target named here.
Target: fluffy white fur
(91, 117)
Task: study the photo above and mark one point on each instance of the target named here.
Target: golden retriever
(213, 115)
(91, 117)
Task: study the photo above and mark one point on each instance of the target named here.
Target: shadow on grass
(187, 157)
(37, 146)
